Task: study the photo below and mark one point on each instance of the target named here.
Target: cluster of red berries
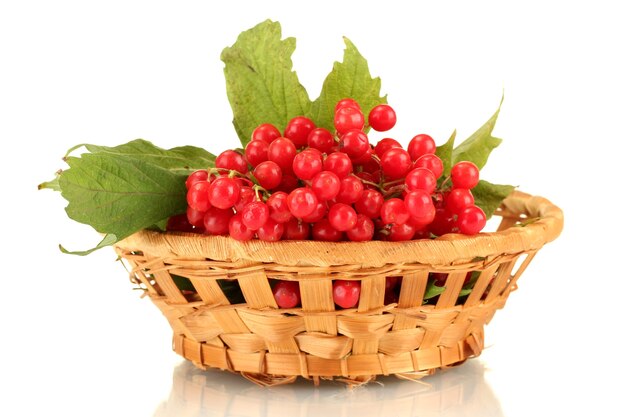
(309, 183)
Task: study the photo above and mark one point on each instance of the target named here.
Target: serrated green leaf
(120, 194)
(348, 79)
(444, 152)
(479, 145)
(182, 159)
(489, 196)
(260, 83)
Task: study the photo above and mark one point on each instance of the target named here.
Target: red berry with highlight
(302, 202)
(287, 294)
(298, 130)
(348, 118)
(464, 174)
(471, 220)
(282, 151)
(395, 163)
(232, 160)
(342, 217)
(346, 293)
(421, 145)
(382, 118)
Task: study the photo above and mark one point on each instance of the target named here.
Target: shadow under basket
(191, 278)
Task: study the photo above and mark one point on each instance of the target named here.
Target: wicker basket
(408, 339)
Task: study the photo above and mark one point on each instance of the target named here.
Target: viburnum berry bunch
(310, 183)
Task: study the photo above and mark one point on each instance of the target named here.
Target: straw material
(271, 346)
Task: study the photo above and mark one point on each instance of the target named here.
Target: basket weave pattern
(318, 340)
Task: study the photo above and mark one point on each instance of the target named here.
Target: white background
(77, 340)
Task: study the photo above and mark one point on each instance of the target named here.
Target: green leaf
(182, 159)
(109, 239)
(348, 79)
(489, 196)
(50, 185)
(467, 288)
(120, 194)
(479, 145)
(444, 152)
(260, 83)
(432, 290)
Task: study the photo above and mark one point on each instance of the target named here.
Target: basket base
(268, 368)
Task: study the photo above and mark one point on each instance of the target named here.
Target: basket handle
(539, 212)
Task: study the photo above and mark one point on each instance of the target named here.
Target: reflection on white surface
(460, 391)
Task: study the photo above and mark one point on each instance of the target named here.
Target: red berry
(419, 203)
(471, 220)
(268, 174)
(246, 195)
(394, 211)
(256, 152)
(324, 231)
(348, 118)
(370, 203)
(354, 143)
(363, 229)
(443, 222)
(382, 118)
(238, 230)
(198, 196)
(395, 163)
(278, 208)
(195, 217)
(232, 160)
(339, 163)
(365, 158)
(224, 192)
(287, 294)
(318, 214)
(464, 174)
(255, 214)
(302, 202)
(421, 179)
(458, 199)
(384, 145)
(296, 230)
(342, 217)
(431, 162)
(199, 175)
(306, 164)
(347, 102)
(421, 145)
(271, 231)
(350, 190)
(321, 139)
(298, 130)
(401, 232)
(346, 293)
(282, 151)
(216, 221)
(265, 132)
(326, 185)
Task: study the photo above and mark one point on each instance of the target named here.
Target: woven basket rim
(546, 225)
